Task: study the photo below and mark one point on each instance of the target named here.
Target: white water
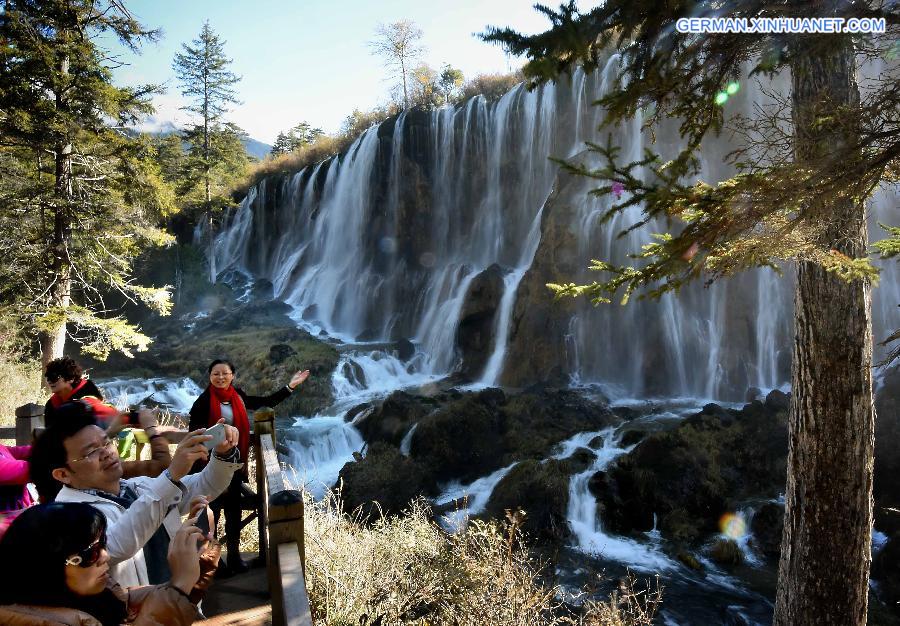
(178, 394)
(587, 527)
(472, 498)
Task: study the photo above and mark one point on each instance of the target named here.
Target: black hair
(34, 552)
(221, 362)
(49, 450)
(64, 367)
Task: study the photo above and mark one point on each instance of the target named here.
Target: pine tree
(85, 198)
(282, 145)
(449, 82)
(202, 70)
(798, 195)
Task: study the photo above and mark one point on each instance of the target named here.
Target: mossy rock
(392, 418)
(726, 552)
(539, 489)
(384, 481)
(767, 525)
(691, 475)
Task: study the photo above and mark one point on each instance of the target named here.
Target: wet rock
(475, 333)
(539, 489)
(353, 371)
(726, 552)
(384, 481)
(580, 460)
(753, 393)
(778, 400)
(405, 349)
(690, 560)
(393, 417)
(693, 474)
(597, 442)
(479, 433)
(280, 352)
(631, 437)
(767, 525)
(598, 484)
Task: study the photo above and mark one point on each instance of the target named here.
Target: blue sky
(308, 59)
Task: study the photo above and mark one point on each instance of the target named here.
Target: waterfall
(383, 242)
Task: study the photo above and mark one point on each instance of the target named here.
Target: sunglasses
(90, 555)
(52, 378)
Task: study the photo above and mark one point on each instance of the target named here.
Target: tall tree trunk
(403, 74)
(823, 574)
(206, 174)
(53, 338)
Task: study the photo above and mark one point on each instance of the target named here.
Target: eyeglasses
(90, 555)
(107, 443)
(52, 378)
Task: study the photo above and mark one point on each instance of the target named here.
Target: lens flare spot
(617, 189)
(427, 259)
(733, 525)
(388, 245)
(721, 98)
(732, 88)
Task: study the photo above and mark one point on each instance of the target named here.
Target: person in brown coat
(56, 572)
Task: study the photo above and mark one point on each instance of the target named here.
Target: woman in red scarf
(222, 399)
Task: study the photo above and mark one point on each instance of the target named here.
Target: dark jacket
(88, 389)
(200, 412)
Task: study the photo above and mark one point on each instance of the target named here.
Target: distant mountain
(255, 148)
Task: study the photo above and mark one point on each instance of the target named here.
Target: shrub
(406, 570)
(491, 86)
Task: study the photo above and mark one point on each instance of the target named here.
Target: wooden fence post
(285, 528)
(28, 417)
(263, 424)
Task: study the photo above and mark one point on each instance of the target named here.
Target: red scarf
(57, 400)
(239, 414)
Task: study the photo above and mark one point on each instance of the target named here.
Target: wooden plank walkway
(241, 600)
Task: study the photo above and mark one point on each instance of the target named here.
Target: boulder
(461, 441)
(393, 417)
(631, 437)
(475, 332)
(693, 474)
(778, 400)
(472, 436)
(405, 349)
(539, 489)
(580, 460)
(726, 552)
(384, 481)
(767, 525)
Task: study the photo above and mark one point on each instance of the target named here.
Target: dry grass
(407, 570)
(20, 383)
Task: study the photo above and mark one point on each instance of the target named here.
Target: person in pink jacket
(14, 496)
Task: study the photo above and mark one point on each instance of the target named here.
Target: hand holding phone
(217, 432)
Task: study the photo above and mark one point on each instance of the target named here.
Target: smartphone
(218, 436)
(203, 520)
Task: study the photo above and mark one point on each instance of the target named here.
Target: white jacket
(159, 501)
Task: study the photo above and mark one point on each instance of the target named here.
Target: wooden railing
(281, 539)
(280, 516)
